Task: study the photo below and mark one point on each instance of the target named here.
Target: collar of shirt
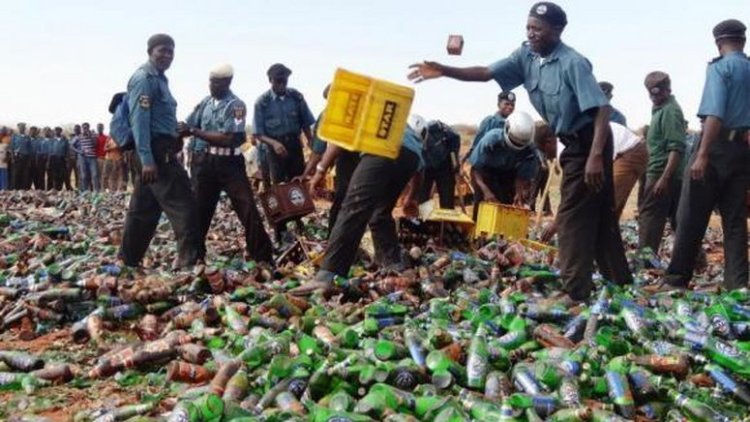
(553, 56)
(151, 69)
(277, 97)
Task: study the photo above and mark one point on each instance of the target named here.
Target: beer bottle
(21, 361)
(477, 364)
(694, 409)
(619, 392)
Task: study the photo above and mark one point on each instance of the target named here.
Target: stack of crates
(366, 114)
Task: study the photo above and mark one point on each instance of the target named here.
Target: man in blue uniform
(562, 88)
(616, 116)
(21, 150)
(440, 144)
(374, 189)
(719, 170)
(280, 115)
(164, 184)
(504, 163)
(38, 156)
(506, 103)
(217, 126)
(42, 157)
(58, 150)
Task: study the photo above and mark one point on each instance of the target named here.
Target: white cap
(520, 127)
(222, 72)
(419, 125)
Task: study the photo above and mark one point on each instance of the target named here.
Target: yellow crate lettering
(365, 114)
(386, 120)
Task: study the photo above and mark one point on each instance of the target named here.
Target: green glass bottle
(695, 410)
(477, 364)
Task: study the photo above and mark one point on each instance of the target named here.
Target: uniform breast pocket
(549, 82)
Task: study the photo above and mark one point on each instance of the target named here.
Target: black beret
(606, 87)
(657, 80)
(159, 39)
(730, 28)
(506, 95)
(550, 13)
(278, 70)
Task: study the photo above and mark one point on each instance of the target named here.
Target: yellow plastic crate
(511, 222)
(366, 114)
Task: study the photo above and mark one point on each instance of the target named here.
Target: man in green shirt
(666, 148)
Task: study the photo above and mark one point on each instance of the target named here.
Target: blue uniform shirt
(440, 143)
(281, 115)
(152, 109)
(58, 147)
(43, 146)
(226, 115)
(413, 143)
(726, 93)
(490, 122)
(617, 117)
(561, 86)
(21, 144)
(318, 145)
(492, 154)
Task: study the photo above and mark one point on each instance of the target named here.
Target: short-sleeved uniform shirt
(561, 86)
(226, 115)
(726, 93)
(617, 117)
(666, 133)
(152, 109)
(21, 144)
(281, 115)
(492, 154)
(494, 121)
(59, 147)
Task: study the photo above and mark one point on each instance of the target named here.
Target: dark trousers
(39, 171)
(56, 173)
(445, 179)
(346, 162)
(169, 193)
(21, 176)
(374, 189)
(286, 168)
(654, 212)
(70, 170)
(502, 184)
(725, 184)
(587, 225)
(213, 174)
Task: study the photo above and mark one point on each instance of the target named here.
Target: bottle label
(727, 349)
(723, 379)
(569, 394)
(527, 383)
(721, 325)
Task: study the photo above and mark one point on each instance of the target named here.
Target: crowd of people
(683, 176)
(55, 160)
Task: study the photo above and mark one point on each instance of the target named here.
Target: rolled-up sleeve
(673, 129)
(140, 100)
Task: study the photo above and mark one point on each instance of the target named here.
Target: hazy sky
(63, 60)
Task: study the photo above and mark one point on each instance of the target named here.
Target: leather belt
(224, 152)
